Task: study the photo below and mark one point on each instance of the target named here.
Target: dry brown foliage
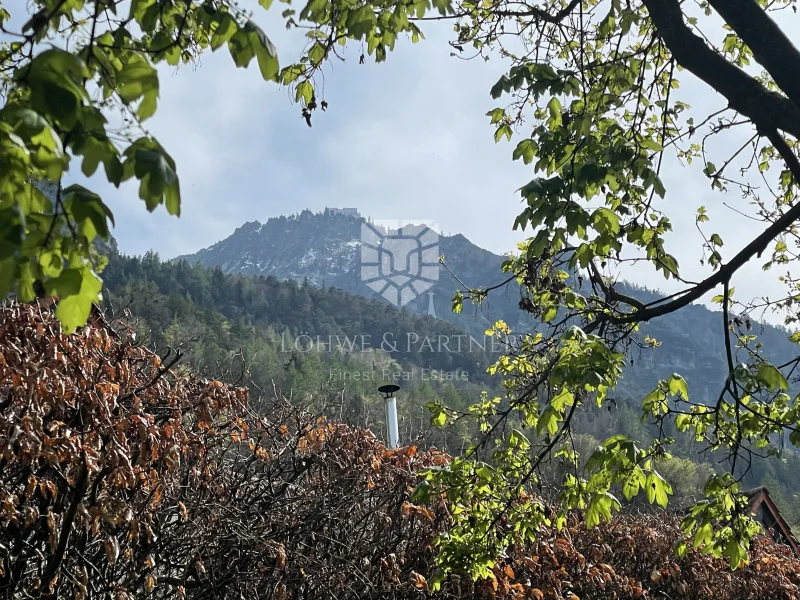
(633, 556)
(119, 478)
(122, 479)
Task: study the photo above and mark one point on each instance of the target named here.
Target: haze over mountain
(323, 248)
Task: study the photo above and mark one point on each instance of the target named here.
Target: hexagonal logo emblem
(399, 261)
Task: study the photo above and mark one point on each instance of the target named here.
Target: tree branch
(543, 15)
(537, 13)
(768, 110)
(770, 46)
(610, 292)
(66, 526)
(756, 247)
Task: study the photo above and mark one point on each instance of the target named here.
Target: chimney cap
(388, 389)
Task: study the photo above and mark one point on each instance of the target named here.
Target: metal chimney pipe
(391, 421)
(390, 404)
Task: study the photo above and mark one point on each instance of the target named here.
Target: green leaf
(562, 400)
(503, 130)
(251, 41)
(265, 51)
(52, 78)
(67, 284)
(677, 385)
(304, 92)
(421, 492)
(502, 85)
(794, 437)
(650, 144)
(772, 377)
(458, 302)
(549, 421)
(659, 188)
(50, 264)
(605, 220)
(599, 509)
(554, 108)
(139, 9)
(669, 265)
(315, 10)
(657, 489)
(517, 439)
(317, 53)
(526, 150)
(438, 414)
(226, 28)
(241, 49)
(94, 152)
(88, 211)
(155, 169)
(634, 482)
(139, 79)
(74, 309)
(361, 21)
(445, 7)
(497, 115)
(550, 314)
(703, 536)
(734, 552)
(484, 471)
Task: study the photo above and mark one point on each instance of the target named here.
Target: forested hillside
(259, 330)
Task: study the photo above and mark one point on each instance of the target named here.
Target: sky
(403, 140)
(407, 139)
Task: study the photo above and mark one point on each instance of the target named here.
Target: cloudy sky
(406, 139)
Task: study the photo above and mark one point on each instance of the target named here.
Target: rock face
(324, 250)
(107, 247)
(321, 249)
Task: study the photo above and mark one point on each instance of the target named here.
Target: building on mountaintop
(347, 212)
(767, 513)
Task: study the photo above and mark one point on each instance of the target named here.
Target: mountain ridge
(323, 249)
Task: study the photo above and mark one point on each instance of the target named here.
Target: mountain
(323, 249)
